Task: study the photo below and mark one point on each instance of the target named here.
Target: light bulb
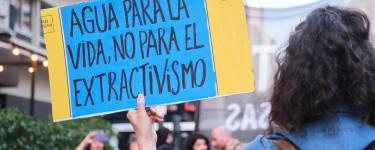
(16, 51)
(45, 63)
(34, 57)
(31, 69)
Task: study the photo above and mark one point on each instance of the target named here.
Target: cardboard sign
(103, 53)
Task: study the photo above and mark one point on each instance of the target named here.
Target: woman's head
(98, 142)
(164, 136)
(97, 145)
(197, 142)
(328, 63)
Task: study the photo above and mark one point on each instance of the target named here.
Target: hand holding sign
(141, 119)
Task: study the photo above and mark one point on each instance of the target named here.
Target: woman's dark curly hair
(189, 143)
(328, 63)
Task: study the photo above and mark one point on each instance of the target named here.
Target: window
(21, 19)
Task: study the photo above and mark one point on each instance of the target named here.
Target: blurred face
(97, 145)
(217, 141)
(200, 144)
(133, 146)
(169, 139)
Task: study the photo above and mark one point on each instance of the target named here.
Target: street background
(24, 80)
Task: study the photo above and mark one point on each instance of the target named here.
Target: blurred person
(324, 88)
(222, 139)
(197, 142)
(132, 142)
(94, 141)
(164, 139)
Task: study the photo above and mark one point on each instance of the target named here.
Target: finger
(158, 118)
(131, 113)
(148, 109)
(162, 109)
(155, 118)
(159, 110)
(154, 115)
(90, 135)
(153, 110)
(90, 141)
(93, 133)
(140, 103)
(157, 113)
(149, 113)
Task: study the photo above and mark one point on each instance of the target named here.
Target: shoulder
(260, 143)
(346, 130)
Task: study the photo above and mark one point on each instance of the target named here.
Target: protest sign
(104, 52)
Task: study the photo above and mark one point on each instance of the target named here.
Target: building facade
(23, 58)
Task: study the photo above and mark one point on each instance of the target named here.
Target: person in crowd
(197, 142)
(132, 142)
(165, 139)
(94, 141)
(324, 88)
(222, 139)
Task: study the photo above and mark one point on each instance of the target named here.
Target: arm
(142, 120)
(86, 141)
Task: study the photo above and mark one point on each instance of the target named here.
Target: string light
(34, 57)
(31, 69)
(45, 63)
(16, 51)
(1, 68)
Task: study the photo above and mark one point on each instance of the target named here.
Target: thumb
(140, 103)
